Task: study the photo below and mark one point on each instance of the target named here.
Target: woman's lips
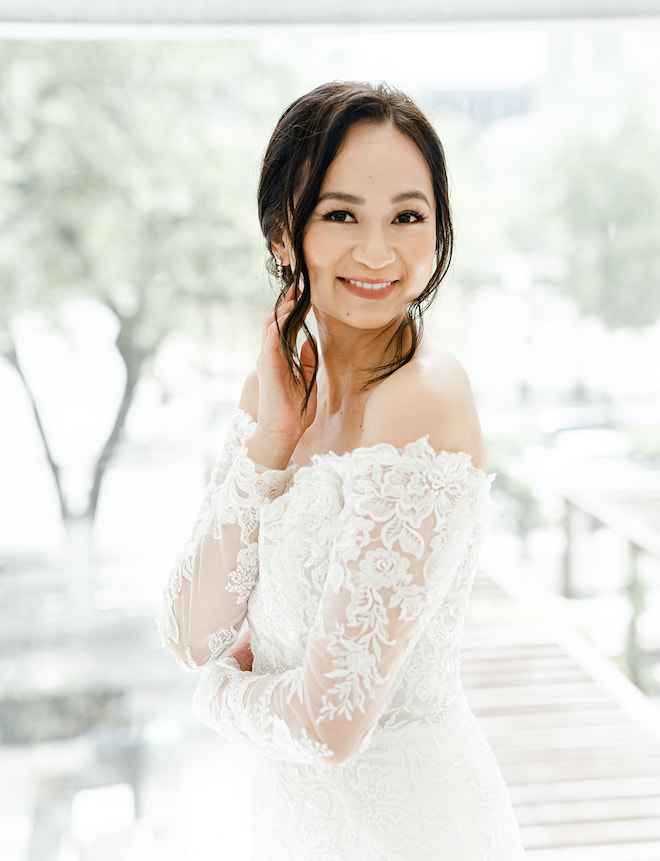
(368, 289)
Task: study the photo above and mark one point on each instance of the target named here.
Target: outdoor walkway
(576, 742)
(578, 745)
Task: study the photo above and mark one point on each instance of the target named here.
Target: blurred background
(132, 285)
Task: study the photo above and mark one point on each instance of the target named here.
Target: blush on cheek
(426, 251)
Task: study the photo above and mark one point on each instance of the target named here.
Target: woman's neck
(348, 357)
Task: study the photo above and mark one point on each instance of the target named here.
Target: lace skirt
(420, 791)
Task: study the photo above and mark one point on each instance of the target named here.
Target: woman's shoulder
(431, 396)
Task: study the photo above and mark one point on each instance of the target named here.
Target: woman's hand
(280, 424)
(241, 652)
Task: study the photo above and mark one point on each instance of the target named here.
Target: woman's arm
(206, 597)
(408, 522)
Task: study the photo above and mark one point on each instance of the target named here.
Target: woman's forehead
(377, 156)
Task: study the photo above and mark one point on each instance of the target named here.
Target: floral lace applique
(206, 597)
(242, 579)
(406, 513)
(356, 603)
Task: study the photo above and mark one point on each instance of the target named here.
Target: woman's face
(370, 243)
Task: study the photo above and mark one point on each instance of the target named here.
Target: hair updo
(303, 145)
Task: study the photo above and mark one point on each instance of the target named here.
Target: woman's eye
(339, 215)
(409, 217)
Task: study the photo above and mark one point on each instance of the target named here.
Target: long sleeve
(409, 518)
(206, 597)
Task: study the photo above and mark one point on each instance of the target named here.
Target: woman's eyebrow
(345, 197)
(411, 195)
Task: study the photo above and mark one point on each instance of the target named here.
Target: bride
(341, 526)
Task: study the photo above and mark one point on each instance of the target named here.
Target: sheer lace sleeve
(206, 597)
(409, 518)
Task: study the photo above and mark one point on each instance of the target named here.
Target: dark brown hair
(305, 142)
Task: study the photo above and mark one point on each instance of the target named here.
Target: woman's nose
(373, 250)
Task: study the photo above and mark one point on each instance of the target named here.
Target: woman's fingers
(307, 357)
(278, 315)
(285, 307)
(270, 341)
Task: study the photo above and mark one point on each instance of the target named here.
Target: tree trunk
(12, 357)
(79, 570)
(79, 528)
(133, 363)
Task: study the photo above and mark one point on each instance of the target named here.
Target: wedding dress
(353, 573)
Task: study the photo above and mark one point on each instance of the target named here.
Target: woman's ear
(281, 247)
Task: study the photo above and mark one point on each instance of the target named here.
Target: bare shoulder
(430, 396)
(249, 401)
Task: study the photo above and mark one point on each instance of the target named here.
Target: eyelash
(330, 216)
(419, 216)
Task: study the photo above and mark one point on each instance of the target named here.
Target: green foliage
(479, 236)
(597, 202)
(518, 503)
(127, 174)
(646, 440)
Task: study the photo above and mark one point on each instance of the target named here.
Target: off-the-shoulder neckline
(462, 456)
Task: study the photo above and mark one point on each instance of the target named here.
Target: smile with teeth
(366, 285)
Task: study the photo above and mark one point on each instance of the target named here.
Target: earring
(280, 277)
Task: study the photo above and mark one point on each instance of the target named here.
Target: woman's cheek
(424, 252)
(318, 246)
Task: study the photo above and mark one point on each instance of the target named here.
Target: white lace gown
(354, 573)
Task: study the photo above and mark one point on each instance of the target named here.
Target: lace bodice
(353, 572)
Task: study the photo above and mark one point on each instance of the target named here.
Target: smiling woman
(369, 243)
(302, 151)
(342, 523)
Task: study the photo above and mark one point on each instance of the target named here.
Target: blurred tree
(479, 242)
(127, 175)
(594, 206)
